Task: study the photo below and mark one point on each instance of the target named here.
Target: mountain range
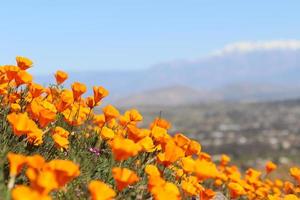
(247, 71)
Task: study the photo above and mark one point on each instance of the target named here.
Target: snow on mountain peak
(247, 46)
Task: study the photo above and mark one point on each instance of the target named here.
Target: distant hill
(170, 96)
(240, 72)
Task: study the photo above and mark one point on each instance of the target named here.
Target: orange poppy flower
(78, 89)
(295, 173)
(46, 177)
(154, 177)
(61, 131)
(43, 181)
(124, 148)
(23, 63)
(288, 187)
(204, 156)
(23, 77)
(181, 140)
(290, 197)
(43, 111)
(65, 101)
(60, 142)
(34, 108)
(166, 191)
(278, 183)
(99, 120)
(36, 89)
(11, 71)
(188, 188)
(154, 182)
(270, 166)
(225, 159)
(47, 113)
(124, 177)
(64, 170)
(99, 93)
(205, 169)
(77, 114)
(90, 102)
(22, 192)
(160, 122)
(191, 186)
(193, 148)
(60, 77)
(14, 107)
(16, 163)
(160, 135)
(188, 164)
(152, 170)
(3, 89)
(207, 194)
(236, 190)
(35, 137)
(107, 133)
(252, 175)
(110, 112)
(171, 154)
(3, 76)
(218, 182)
(35, 161)
(136, 134)
(101, 191)
(147, 144)
(131, 117)
(21, 123)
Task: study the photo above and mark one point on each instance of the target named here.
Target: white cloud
(244, 47)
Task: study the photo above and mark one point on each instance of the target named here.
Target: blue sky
(79, 35)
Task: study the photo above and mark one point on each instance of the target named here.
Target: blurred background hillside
(248, 71)
(226, 73)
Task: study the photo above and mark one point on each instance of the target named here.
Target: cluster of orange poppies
(172, 166)
(43, 176)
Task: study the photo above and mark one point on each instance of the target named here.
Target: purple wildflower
(95, 150)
